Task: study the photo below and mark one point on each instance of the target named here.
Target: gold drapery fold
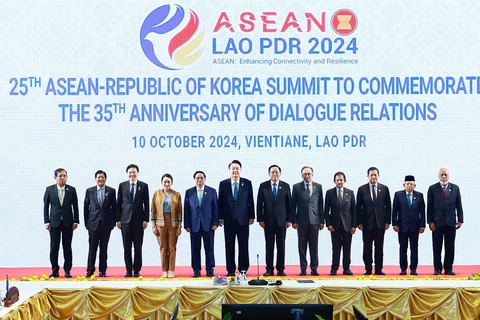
(205, 303)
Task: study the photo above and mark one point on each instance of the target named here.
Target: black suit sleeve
(289, 205)
(260, 204)
(76, 212)
(388, 207)
(146, 203)
(113, 206)
(327, 211)
(353, 210)
(119, 203)
(251, 205)
(86, 207)
(321, 215)
(46, 206)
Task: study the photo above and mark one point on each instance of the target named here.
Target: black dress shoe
(281, 274)
(450, 273)
(230, 274)
(333, 272)
(68, 274)
(196, 274)
(437, 272)
(302, 273)
(210, 274)
(137, 274)
(413, 273)
(268, 273)
(128, 275)
(54, 275)
(103, 274)
(348, 272)
(89, 274)
(367, 272)
(379, 273)
(314, 272)
(403, 273)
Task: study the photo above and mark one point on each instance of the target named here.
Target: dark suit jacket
(371, 214)
(271, 210)
(206, 214)
(243, 208)
(307, 210)
(408, 219)
(444, 211)
(336, 212)
(53, 212)
(137, 211)
(93, 212)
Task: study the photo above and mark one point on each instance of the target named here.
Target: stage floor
(292, 271)
(150, 278)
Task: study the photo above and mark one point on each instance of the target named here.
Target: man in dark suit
(408, 219)
(236, 213)
(133, 209)
(99, 214)
(374, 211)
(61, 217)
(201, 221)
(444, 217)
(274, 214)
(340, 214)
(307, 218)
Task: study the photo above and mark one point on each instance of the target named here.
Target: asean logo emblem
(172, 38)
(344, 22)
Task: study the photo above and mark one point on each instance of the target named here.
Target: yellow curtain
(157, 303)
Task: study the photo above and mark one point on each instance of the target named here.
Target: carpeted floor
(116, 273)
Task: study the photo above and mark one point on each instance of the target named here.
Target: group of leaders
(278, 207)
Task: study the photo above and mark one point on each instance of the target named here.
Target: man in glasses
(307, 218)
(444, 217)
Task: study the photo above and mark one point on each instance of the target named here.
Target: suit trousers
(96, 239)
(444, 234)
(275, 235)
(308, 236)
(241, 233)
(376, 235)
(167, 240)
(341, 239)
(403, 239)
(196, 246)
(132, 234)
(66, 234)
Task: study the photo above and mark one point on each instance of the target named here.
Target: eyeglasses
(307, 174)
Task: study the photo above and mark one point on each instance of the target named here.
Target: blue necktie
(409, 198)
(235, 190)
(274, 191)
(132, 191)
(200, 197)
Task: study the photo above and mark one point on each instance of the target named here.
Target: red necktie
(444, 191)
